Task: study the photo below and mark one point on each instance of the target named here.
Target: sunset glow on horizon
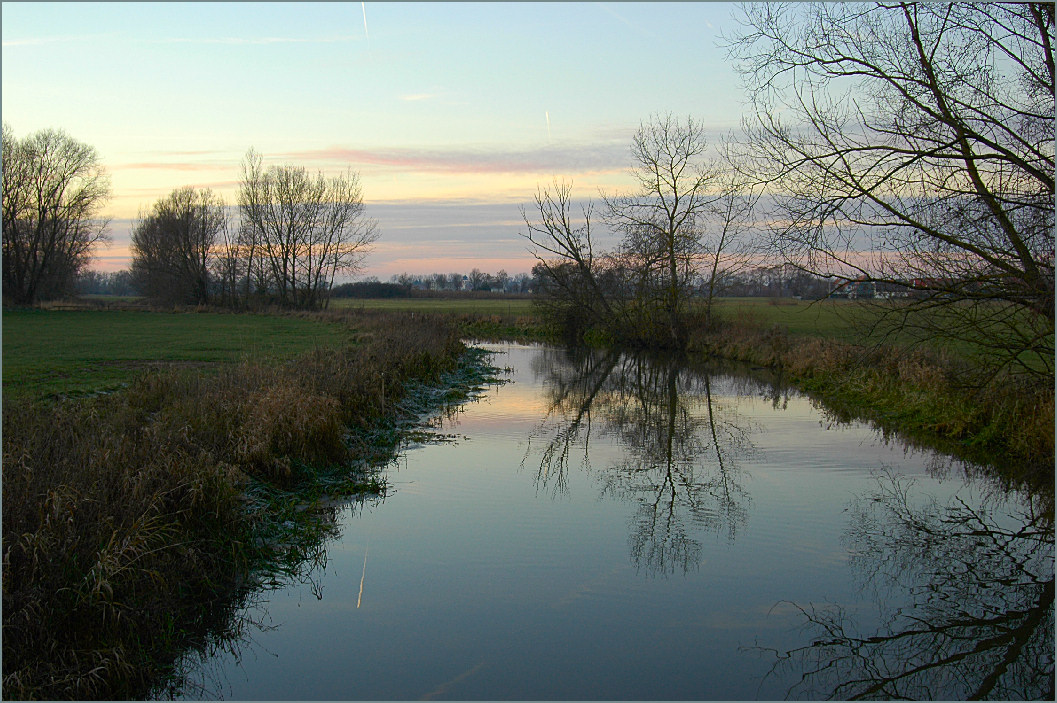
(451, 114)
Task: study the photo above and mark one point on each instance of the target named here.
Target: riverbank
(929, 397)
(926, 396)
(131, 518)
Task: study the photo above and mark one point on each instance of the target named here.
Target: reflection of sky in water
(483, 581)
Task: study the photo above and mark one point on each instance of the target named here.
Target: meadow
(83, 352)
(453, 306)
(52, 352)
(498, 317)
(831, 319)
(840, 320)
(827, 318)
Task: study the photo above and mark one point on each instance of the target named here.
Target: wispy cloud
(237, 41)
(226, 41)
(63, 39)
(189, 152)
(363, 6)
(601, 157)
(169, 166)
(625, 20)
(418, 96)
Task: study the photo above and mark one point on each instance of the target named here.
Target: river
(606, 526)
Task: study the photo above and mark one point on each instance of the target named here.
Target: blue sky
(451, 113)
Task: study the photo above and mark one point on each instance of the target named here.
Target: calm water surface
(607, 527)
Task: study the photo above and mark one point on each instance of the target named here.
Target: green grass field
(842, 320)
(834, 319)
(829, 318)
(46, 352)
(78, 352)
(470, 306)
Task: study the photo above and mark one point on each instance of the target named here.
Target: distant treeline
(99, 283)
(370, 289)
(761, 281)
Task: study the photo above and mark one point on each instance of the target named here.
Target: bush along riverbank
(131, 521)
(1005, 423)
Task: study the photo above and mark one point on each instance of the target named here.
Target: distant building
(858, 289)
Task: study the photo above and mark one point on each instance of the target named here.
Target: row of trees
(102, 283)
(900, 144)
(774, 281)
(290, 235)
(475, 280)
(294, 232)
(781, 281)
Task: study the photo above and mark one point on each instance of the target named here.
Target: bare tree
(173, 246)
(662, 221)
(303, 229)
(53, 189)
(502, 279)
(405, 279)
(476, 278)
(689, 219)
(229, 265)
(729, 245)
(522, 283)
(568, 269)
(923, 134)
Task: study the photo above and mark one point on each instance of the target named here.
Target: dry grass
(923, 394)
(124, 514)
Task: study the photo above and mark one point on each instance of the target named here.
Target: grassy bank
(921, 392)
(127, 516)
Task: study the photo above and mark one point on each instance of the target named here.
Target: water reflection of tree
(681, 448)
(967, 593)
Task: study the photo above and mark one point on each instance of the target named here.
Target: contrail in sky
(625, 20)
(548, 116)
(363, 5)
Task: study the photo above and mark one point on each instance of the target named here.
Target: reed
(125, 516)
(926, 395)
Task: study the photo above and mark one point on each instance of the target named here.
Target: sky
(452, 114)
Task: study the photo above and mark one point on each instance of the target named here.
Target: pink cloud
(571, 158)
(191, 152)
(170, 166)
